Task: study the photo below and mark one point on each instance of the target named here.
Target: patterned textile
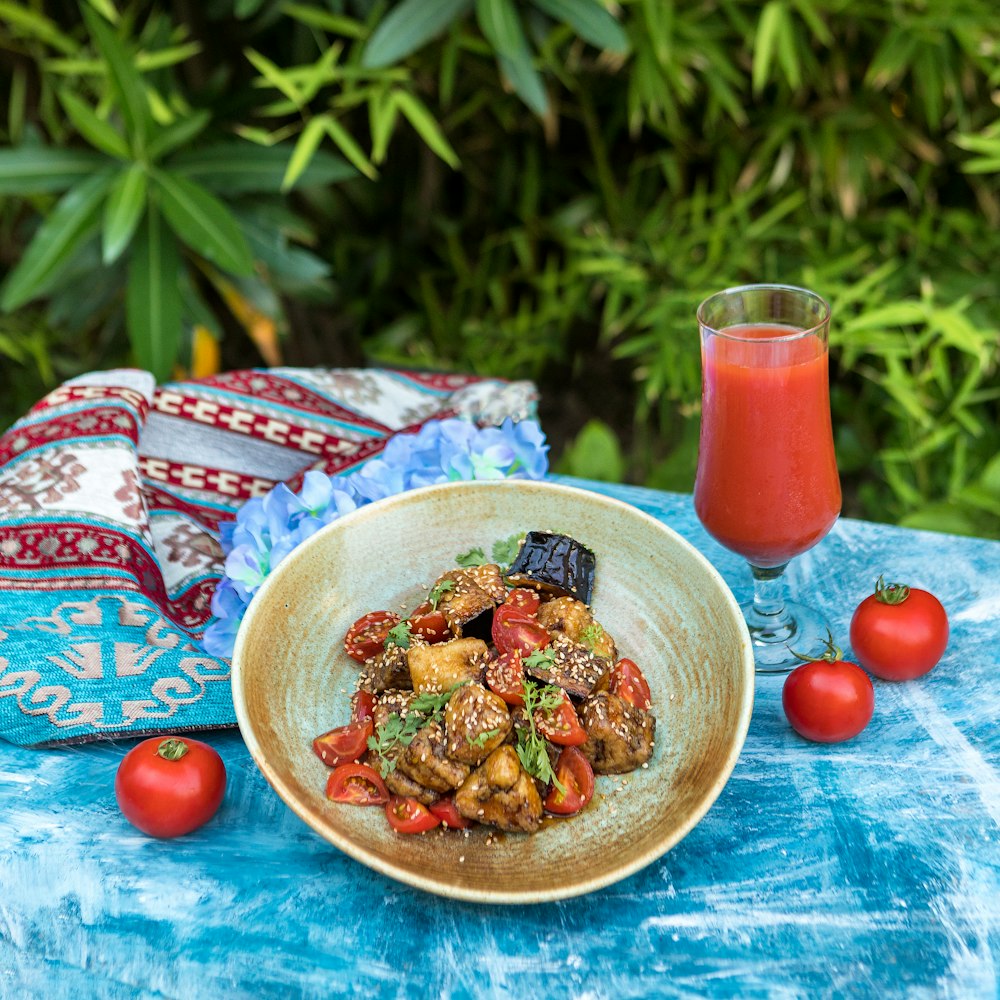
(112, 490)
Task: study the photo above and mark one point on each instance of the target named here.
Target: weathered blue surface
(867, 869)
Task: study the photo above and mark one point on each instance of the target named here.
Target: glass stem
(769, 595)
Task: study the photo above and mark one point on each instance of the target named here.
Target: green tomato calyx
(172, 749)
(890, 593)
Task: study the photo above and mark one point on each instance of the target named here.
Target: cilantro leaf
(440, 589)
(531, 747)
(482, 739)
(592, 635)
(474, 557)
(505, 550)
(398, 635)
(540, 658)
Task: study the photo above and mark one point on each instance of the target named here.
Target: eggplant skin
(555, 564)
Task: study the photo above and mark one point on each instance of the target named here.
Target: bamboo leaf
(502, 27)
(407, 27)
(527, 82)
(93, 128)
(72, 221)
(349, 147)
(765, 42)
(123, 211)
(275, 76)
(105, 7)
(382, 114)
(153, 298)
(312, 135)
(179, 134)
(35, 25)
(416, 113)
(591, 21)
(336, 23)
(203, 223)
(31, 170)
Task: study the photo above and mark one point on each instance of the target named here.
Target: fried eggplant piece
(574, 668)
(477, 722)
(554, 564)
(573, 619)
(619, 736)
(390, 669)
(468, 604)
(426, 761)
(441, 665)
(501, 793)
(400, 783)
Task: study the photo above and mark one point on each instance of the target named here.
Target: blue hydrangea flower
(267, 529)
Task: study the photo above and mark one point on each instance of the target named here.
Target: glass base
(797, 627)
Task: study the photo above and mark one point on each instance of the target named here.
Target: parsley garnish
(397, 732)
(506, 549)
(398, 635)
(482, 739)
(541, 658)
(531, 747)
(474, 557)
(592, 635)
(440, 589)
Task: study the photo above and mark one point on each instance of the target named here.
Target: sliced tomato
(513, 629)
(629, 684)
(429, 623)
(575, 774)
(447, 812)
(366, 637)
(524, 599)
(362, 706)
(505, 677)
(357, 785)
(561, 725)
(407, 815)
(344, 744)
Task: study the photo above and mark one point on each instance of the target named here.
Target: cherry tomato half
(362, 706)
(577, 776)
(561, 725)
(505, 677)
(430, 624)
(628, 682)
(366, 637)
(525, 600)
(447, 812)
(899, 632)
(356, 785)
(828, 701)
(513, 629)
(344, 744)
(167, 786)
(407, 815)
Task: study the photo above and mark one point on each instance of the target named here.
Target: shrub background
(539, 189)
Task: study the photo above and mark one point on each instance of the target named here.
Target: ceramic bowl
(666, 606)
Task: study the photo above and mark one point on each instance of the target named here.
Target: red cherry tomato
(628, 682)
(362, 706)
(524, 599)
(168, 786)
(447, 812)
(407, 815)
(356, 785)
(429, 623)
(505, 677)
(561, 725)
(344, 744)
(513, 629)
(899, 632)
(828, 700)
(366, 637)
(575, 775)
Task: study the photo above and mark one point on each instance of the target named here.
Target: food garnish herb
(592, 635)
(398, 731)
(440, 589)
(398, 635)
(504, 553)
(541, 658)
(482, 739)
(531, 747)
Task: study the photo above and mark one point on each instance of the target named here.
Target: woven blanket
(112, 490)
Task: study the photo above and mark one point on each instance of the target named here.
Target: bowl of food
(503, 692)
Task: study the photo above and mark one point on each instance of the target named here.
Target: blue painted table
(865, 869)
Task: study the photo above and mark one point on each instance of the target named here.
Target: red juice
(767, 484)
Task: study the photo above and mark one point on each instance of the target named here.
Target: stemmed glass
(767, 485)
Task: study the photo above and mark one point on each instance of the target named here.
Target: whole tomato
(899, 632)
(828, 700)
(168, 786)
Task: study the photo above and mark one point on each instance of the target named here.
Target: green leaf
(203, 222)
(105, 7)
(275, 76)
(72, 220)
(590, 21)
(594, 454)
(35, 25)
(123, 211)
(308, 142)
(244, 167)
(383, 111)
(125, 78)
(769, 27)
(349, 147)
(246, 8)
(416, 113)
(407, 27)
(92, 127)
(153, 298)
(179, 134)
(527, 82)
(324, 20)
(501, 25)
(31, 170)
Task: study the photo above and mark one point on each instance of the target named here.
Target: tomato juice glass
(767, 485)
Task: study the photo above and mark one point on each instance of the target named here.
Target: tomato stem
(890, 593)
(172, 749)
(831, 654)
